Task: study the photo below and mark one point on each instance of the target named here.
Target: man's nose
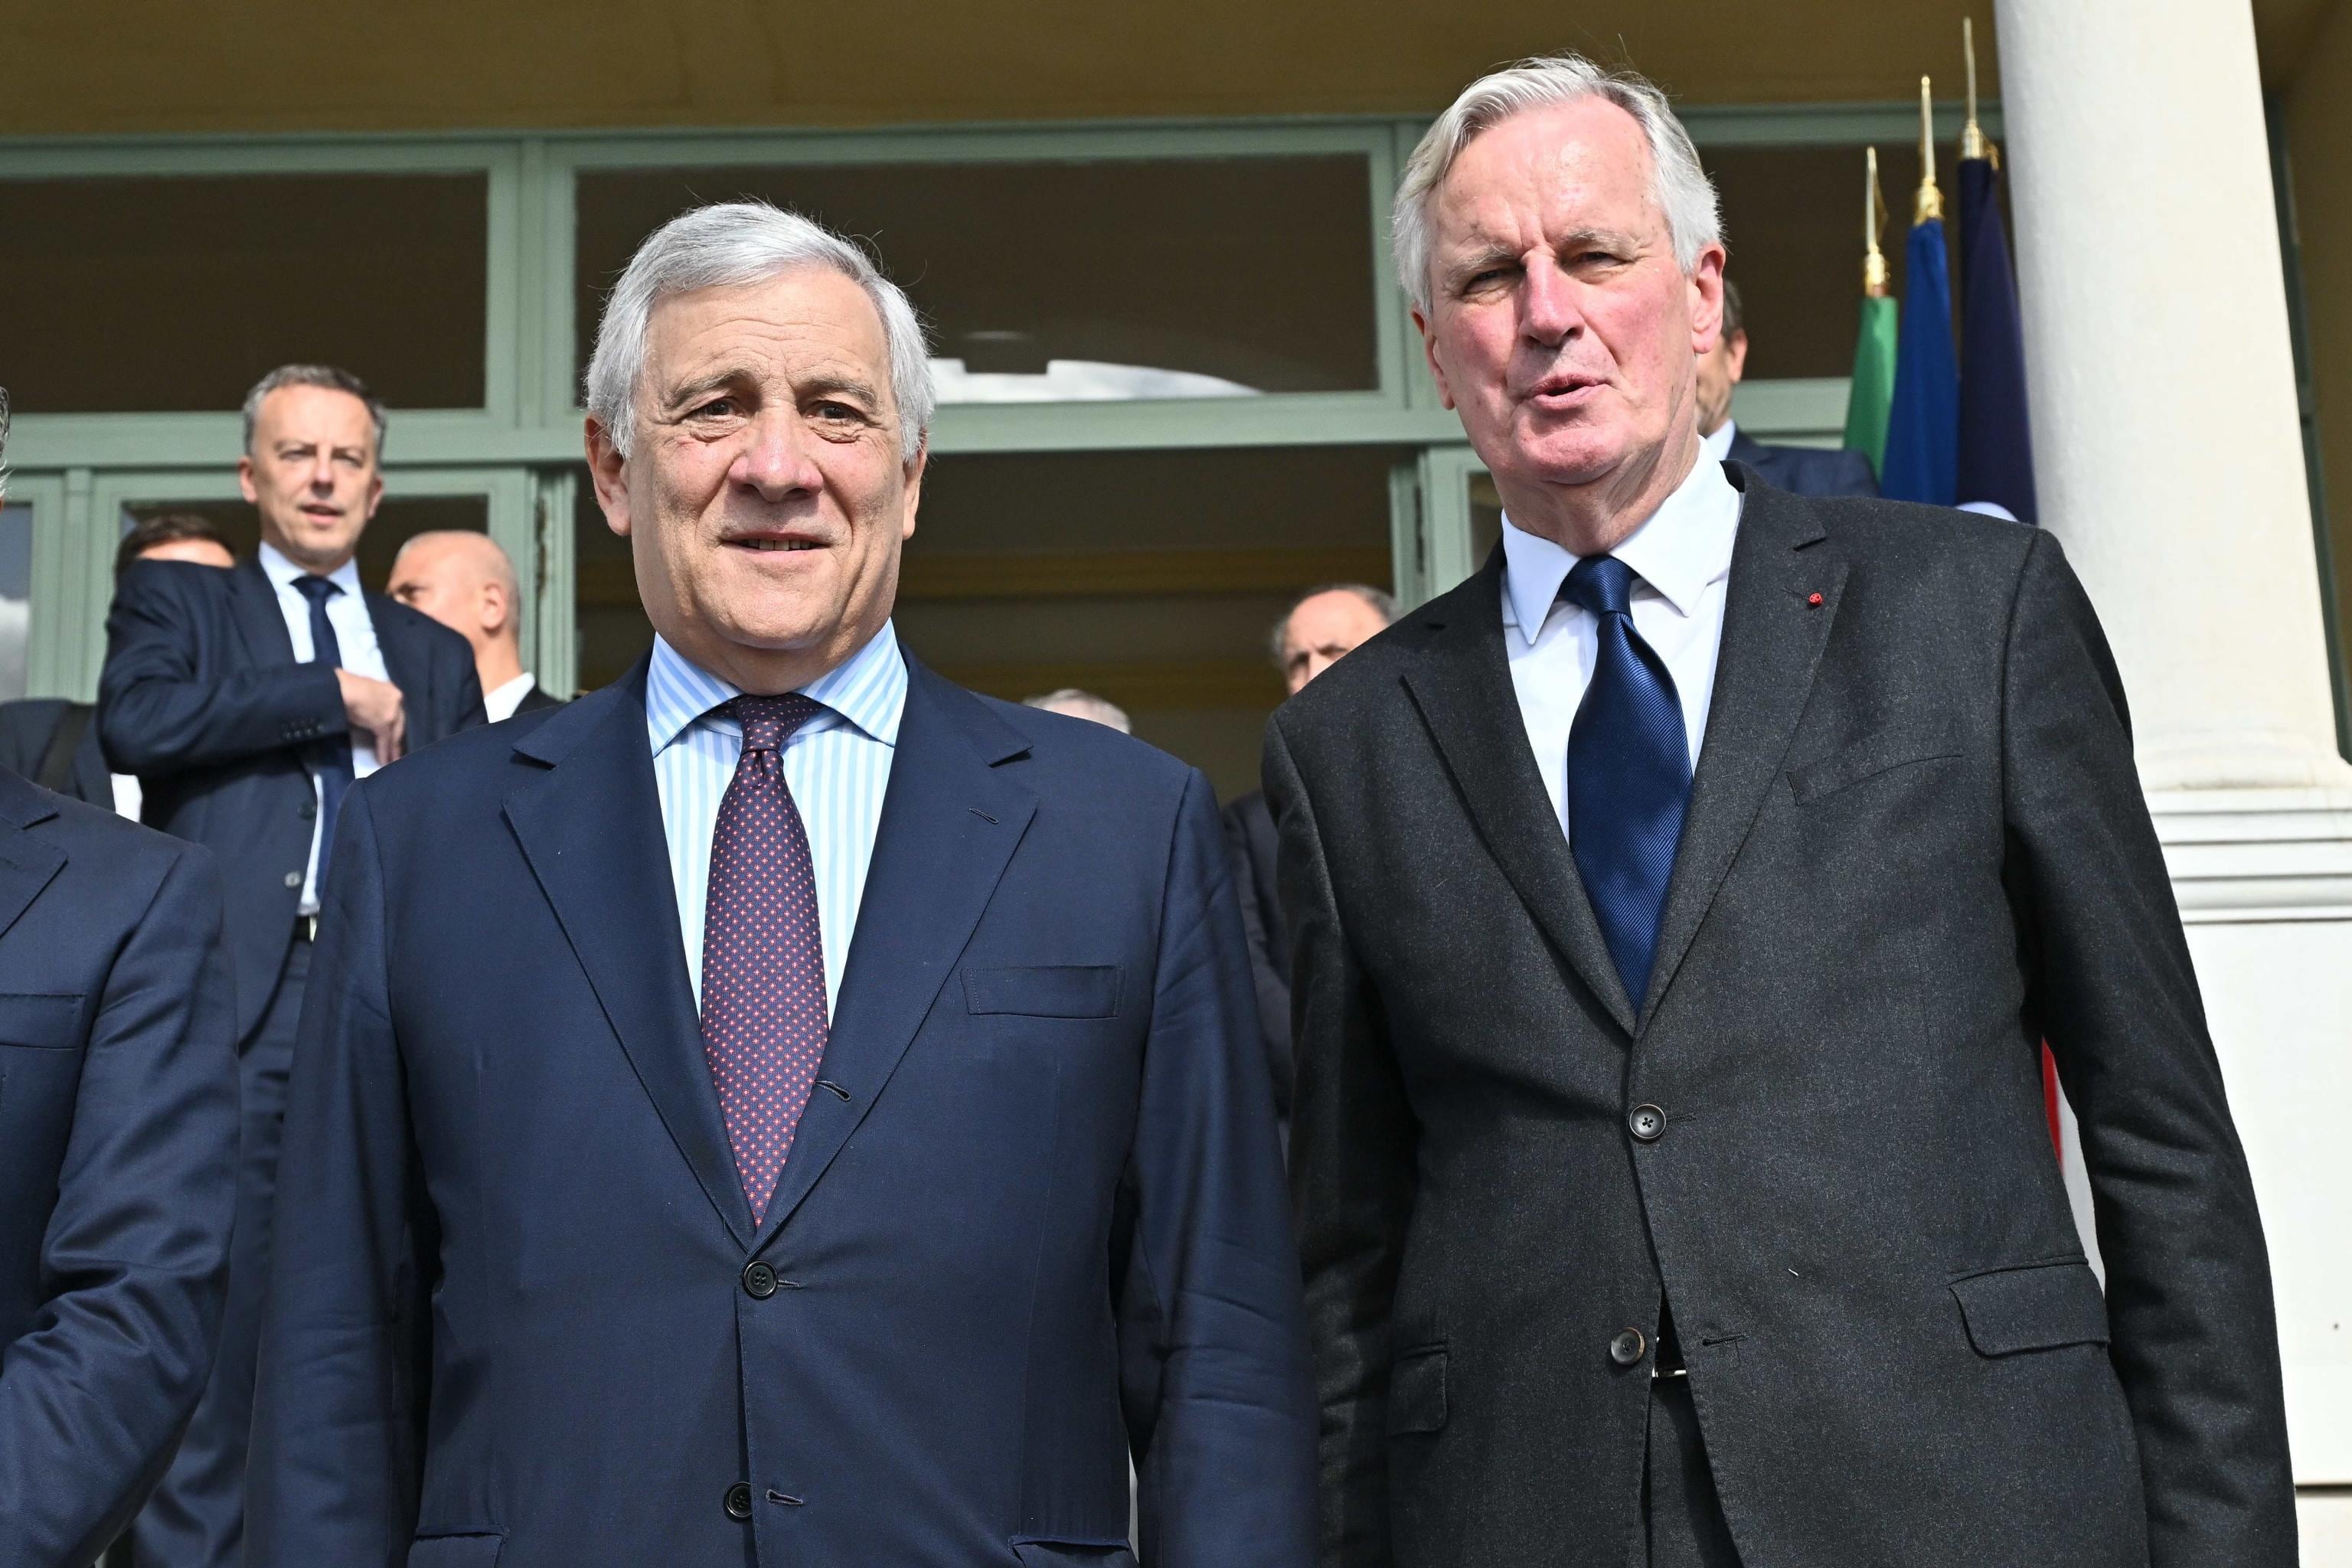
(775, 460)
(1549, 310)
(323, 476)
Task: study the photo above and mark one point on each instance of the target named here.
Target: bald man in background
(464, 580)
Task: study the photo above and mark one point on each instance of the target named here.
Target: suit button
(759, 1281)
(310, 809)
(1624, 1349)
(293, 878)
(1647, 1123)
(739, 1501)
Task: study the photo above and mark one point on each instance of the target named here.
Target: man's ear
(246, 483)
(1706, 300)
(1429, 353)
(496, 613)
(607, 470)
(916, 468)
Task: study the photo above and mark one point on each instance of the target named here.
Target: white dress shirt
(500, 702)
(837, 766)
(1717, 448)
(355, 641)
(1682, 559)
(126, 795)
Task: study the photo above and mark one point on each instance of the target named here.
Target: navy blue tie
(1628, 775)
(333, 757)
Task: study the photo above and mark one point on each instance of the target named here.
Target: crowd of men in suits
(783, 1106)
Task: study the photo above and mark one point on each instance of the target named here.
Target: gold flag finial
(1930, 201)
(1974, 143)
(1873, 225)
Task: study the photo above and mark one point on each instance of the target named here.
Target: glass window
(1792, 217)
(1150, 578)
(1131, 280)
(132, 295)
(396, 521)
(16, 597)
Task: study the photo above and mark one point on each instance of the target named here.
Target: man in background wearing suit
(54, 742)
(1682, 904)
(1802, 470)
(464, 580)
(118, 1160)
(1325, 625)
(248, 701)
(780, 1107)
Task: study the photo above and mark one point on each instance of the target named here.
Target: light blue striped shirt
(837, 766)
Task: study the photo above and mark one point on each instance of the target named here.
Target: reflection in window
(1151, 279)
(196, 287)
(16, 597)
(397, 520)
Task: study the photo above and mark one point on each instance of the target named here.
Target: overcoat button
(1628, 1347)
(1647, 1123)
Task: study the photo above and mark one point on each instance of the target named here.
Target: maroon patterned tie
(763, 1008)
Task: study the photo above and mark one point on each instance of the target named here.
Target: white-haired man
(780, 1108)
(1682, 903)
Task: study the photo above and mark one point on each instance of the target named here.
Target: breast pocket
(46, 1022)
(1880, 751)
(1048, 991)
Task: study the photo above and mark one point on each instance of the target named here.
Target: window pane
(16, 597)
(163, 295)
(1068, 281)
(1150, 578)
(396, 521)
(1792, 216)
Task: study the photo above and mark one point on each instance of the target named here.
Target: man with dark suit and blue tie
(1681, 906)
(118, 1160)
(248, 701)
(1801, 470)
(780, 1108)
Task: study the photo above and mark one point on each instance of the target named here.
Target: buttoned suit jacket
(1033, 1209)
(1916, 847)
(118, 1143)
(202, 699)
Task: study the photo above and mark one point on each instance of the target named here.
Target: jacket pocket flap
(1059, 991)
(2036, 1307)
(1056, 1553)
(455, 1551)
(44, 1021)
(1417, 1391)
(1879, 751)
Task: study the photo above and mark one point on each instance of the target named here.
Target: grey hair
(727, 245)
(1383, 604)
(1076, 702)
(1678, 182)
(325, 375)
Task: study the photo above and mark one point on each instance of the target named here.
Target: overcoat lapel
(951, 818)
(591, 826)
(28, 865)
(1773, 634)
(254, 604)
(1461, 687)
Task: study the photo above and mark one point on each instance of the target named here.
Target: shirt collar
(867, 690)
(1683, 546)
(283, 572)
(1717, 448)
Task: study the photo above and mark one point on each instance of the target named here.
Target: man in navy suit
(117, 1162)
(248, 701)
(1801, 470)
(780, 1108)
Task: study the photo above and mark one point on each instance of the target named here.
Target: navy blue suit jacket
(26, 729)
(202, 699)
(1035, 1210)
(1805, 470)
(117, 1149)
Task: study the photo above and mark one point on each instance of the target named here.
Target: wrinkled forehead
(803, 322)
(1584, 165)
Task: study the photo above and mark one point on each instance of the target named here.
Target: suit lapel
(1773, 641)
(28, 865)
(253, 602)
(951, 818)
(591, 826)
(403, 659)
(1462, 688)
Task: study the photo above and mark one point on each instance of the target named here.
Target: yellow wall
(2319, 148)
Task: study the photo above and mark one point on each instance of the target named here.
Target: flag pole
(1874, 280)
(1929, 204)
(1974, 143)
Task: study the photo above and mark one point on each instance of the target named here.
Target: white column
(2170, 460)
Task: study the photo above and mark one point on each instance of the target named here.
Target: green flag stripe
(1872, 392)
